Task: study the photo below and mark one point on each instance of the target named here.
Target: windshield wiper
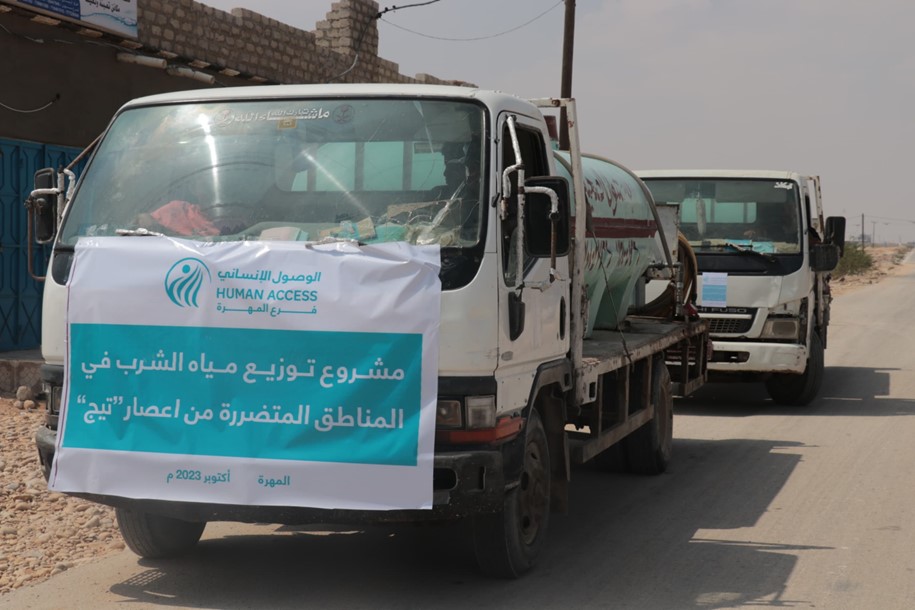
(743, 250)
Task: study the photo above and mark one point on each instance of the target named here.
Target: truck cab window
(757, 214)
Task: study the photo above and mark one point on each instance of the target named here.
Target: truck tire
(648, 449)
(157, 537)
(800, 390)
(507, 543)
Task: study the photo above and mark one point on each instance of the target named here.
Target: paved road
(764, 506)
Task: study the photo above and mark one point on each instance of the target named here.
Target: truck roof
(262, 92)
(718, 173)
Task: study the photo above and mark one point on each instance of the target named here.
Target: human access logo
(184, 281)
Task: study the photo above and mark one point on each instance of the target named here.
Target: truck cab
(764, 252)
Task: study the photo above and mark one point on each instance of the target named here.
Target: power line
(391, 9)
(893, 219)
(471, 38)
(39, 109)
(365, 28)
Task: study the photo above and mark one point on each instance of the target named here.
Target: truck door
(543, 335)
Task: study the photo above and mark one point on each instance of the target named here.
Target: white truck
(541, 363)
(764, 252)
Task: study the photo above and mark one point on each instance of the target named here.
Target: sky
(821, 87)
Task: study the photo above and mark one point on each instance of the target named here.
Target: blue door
(20, 293)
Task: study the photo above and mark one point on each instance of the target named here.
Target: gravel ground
(44, 533)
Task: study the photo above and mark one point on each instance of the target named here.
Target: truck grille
(729, 325)
(728, 320)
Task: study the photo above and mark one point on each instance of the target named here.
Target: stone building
(64, 77)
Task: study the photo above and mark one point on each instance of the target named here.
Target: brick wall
(246, 44)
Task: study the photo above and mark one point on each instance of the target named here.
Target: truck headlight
(474, 412)
(53, 394)
(781, 328)
(449, 414)
(481, 411)
(473, 421)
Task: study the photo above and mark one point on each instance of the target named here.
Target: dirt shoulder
(887, 261)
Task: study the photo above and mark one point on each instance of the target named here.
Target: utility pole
(862, 231)
(568, 44)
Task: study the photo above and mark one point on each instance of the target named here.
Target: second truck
(764, 253)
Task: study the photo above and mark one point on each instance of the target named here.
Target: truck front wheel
(157, 537)
(507, 543)
(800, 390)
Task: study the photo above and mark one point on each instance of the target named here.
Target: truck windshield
(373, 170)
(752, 214)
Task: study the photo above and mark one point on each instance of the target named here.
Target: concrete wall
(73, 76)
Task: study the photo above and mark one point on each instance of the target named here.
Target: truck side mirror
(824, 257)
(42, 205)
(835, 232)
(539, 218)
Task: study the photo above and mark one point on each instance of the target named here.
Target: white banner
(115, 16)
(264, 373)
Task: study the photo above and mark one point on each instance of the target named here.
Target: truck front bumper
(464, 483)
(757, 357)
